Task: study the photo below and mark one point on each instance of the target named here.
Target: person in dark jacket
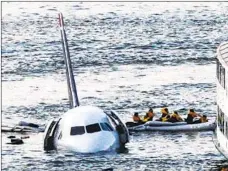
(149, 115)
(191, 115)
(165, 115)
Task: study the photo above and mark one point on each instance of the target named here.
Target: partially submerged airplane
(83, 129)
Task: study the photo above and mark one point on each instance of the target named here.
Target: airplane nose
(100, 143)
(91, 143)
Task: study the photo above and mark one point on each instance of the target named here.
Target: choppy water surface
(126, 57)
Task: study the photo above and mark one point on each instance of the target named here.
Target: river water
(127, 56)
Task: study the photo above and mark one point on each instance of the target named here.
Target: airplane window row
(79, 130)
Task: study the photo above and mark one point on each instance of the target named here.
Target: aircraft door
(121, 128)
(49, 135)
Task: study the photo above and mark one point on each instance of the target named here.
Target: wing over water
(72, 91)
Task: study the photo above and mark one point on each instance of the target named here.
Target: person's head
(205, 116)
(136, 114)
(150, 110)
(191, 110)
(164, 111)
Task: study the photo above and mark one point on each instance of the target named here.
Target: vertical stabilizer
(72, 91)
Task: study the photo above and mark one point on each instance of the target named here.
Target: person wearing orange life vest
(191, 115)
(165, 115)
(175, 117)
(149, 115)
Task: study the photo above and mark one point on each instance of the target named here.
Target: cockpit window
(106, 127)
(109, 126)
(93, 128)
(77, 130)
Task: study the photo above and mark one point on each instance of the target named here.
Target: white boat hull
(220, 142)
(221, 134)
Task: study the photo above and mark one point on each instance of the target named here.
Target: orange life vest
(145, 119)
(164, 119)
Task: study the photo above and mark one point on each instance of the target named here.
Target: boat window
(77, 130)
(93, 128)
(222, 121)
(223, 77)
(221, 74)
(106, 127)
(217, 68)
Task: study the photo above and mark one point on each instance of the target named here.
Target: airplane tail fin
(72, 91)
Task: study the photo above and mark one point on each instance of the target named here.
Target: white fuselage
(221, 141)
(86, 129)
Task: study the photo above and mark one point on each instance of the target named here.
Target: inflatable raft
(169, 126)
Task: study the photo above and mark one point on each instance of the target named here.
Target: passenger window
(93, 128)
(106, 127)
(77, 130)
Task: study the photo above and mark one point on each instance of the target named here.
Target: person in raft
(165, 115)
(136, 118)
(175, 117)
(149, 115)
(192, 114)
(202, 119)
